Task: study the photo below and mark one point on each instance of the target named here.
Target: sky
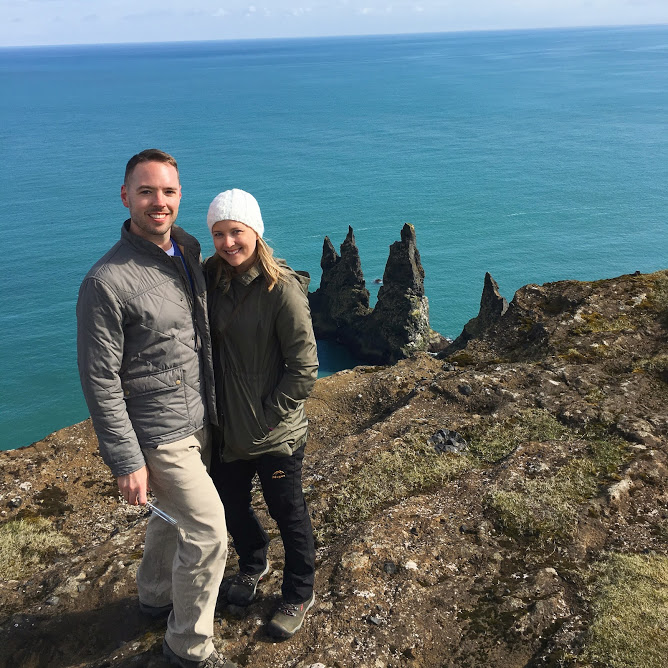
(37, 22)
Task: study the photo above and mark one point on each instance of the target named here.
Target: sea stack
(492, 306)
(398, 325)
(342, 299)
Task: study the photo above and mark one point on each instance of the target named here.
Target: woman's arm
(294, 330)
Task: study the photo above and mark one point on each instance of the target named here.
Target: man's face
(152, 194)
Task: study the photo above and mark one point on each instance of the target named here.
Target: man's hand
(134, 486)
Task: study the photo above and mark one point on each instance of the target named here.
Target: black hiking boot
(214, 660)
(243, 588)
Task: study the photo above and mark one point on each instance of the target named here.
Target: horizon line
(342, 36)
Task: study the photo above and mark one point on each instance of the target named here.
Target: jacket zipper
(190, 297)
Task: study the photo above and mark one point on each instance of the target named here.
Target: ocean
(535, 155)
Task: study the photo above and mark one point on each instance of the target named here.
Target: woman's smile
(235, 243)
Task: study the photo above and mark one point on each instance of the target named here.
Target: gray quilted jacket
(144, 351)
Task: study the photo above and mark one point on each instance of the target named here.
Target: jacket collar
(248, 276)
(183, 239)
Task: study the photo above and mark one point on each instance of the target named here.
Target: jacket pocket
(271, 419)
(157, 405)
(243, 411)
(155, 383)
(258, 425)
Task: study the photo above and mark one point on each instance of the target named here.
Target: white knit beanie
(236, 205)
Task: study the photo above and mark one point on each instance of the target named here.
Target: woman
(265, 363)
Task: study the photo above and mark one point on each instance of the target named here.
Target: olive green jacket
(265, 362)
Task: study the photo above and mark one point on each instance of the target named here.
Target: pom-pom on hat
(236, 205)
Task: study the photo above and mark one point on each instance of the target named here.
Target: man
(145, 364)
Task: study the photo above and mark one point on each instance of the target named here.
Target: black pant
(281, 480)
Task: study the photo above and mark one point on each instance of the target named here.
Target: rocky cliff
(398, 325)
(503, 506)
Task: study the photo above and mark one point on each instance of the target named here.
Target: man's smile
(158, 216)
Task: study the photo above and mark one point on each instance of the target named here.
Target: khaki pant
(184, 564)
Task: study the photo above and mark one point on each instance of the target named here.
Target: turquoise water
(535, 155)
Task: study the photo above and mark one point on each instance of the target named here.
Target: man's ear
(124, 196)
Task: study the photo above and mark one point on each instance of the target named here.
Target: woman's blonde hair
(271, 270)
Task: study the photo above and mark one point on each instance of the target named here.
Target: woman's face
(236, 243)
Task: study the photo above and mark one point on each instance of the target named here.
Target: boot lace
(290, 609)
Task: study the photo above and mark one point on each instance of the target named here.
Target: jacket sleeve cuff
(127, 466)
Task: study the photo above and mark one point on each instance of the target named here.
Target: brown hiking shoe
(289, 617)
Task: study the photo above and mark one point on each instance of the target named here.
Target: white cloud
(376, 11)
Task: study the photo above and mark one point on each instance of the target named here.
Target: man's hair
(149, 155)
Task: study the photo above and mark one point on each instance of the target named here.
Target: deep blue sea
(534, 155)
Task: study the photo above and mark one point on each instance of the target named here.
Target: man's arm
(100, 343)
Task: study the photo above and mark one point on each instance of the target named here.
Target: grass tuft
(548, 508)
(492, 441)
(657, 365)
(410, 469)
(656, 299)
(630, 612)
(26, 545)
(596, 322)
(462, 359)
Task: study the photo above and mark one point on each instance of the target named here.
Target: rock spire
(492, 306)
(399, 323)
